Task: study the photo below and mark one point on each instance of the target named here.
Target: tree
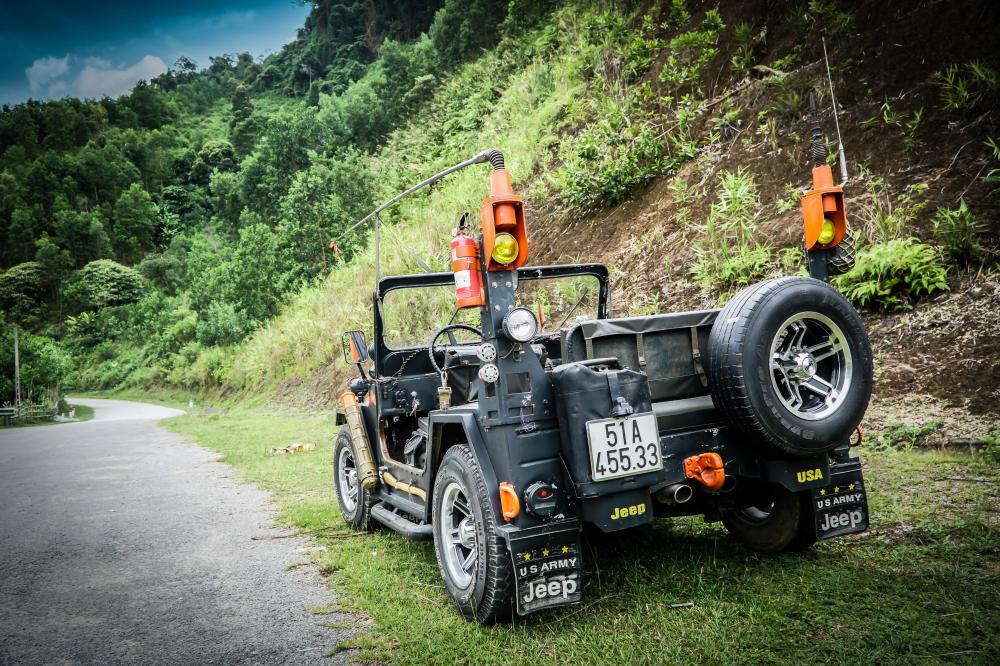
(133, 223)
(104, 283)
(22, 290)
(82, 232)
(149, 105)
(44, 366)
(55, 263)
(215, 155)
(310, 211)
(462, 28)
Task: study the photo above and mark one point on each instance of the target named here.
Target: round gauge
(487, 353)
(489, 373)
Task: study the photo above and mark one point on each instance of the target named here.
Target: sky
(80, 48)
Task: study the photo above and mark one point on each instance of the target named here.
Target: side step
(398, 523)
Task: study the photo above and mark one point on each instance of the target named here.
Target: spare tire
(790, 365)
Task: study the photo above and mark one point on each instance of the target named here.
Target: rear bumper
(623, 503)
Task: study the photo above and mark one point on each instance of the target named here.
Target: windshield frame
(394, 282)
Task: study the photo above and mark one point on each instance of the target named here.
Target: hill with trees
(180, 236)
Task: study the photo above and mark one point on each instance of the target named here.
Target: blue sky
(61, 48)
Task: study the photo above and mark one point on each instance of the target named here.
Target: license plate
(841, 507)
(623, 447)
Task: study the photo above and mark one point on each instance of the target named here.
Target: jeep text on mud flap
(504, 431)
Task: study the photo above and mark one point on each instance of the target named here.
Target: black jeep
(500, 436)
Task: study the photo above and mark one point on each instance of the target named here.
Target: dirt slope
(945, 349)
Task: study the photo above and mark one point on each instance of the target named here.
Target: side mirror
(355, 349)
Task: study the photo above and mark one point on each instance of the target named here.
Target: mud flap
(548, 570)
(842, 506)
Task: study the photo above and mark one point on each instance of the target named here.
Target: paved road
(122, 543)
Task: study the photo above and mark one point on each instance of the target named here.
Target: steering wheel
(448, 329)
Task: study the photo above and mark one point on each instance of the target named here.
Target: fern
(893, 275)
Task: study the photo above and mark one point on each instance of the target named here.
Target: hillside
(667, 140)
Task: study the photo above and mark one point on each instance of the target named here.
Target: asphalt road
(122, 543)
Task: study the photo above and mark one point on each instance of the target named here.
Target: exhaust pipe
(678, 493)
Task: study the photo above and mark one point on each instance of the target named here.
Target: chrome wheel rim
(347, 479)
(458, 531)
(811, 366)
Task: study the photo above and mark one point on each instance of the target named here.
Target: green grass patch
(82, 412)
(921, 585)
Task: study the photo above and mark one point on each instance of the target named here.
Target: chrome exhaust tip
(679, 493)
(682, 493)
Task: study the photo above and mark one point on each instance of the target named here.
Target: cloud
(88, 77)
(99, 78)
(44, 70)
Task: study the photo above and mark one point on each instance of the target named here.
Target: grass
(921, 585)
(82, 414)
(166, 397)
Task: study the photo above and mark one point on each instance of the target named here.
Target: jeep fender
(440, 423)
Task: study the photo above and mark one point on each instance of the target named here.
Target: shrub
(104, 283)
(892, 275)
(45, 367)
(883, 218)
(962, 88)
(610, 159)
(21, 290)
(958, 230)
(223, 324)
(728, 255)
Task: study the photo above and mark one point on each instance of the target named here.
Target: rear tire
(355, 502)
(474, 561)
(776, 520)
(790, 365)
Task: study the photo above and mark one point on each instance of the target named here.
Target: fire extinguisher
(468, 274)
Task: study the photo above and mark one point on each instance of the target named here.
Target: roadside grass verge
(922, 585)
(82, 412)
(164, 397)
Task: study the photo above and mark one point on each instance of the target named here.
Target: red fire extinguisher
(468, 274)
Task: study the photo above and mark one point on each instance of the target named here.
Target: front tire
(772, 520)
(355, 502)
(474, 561)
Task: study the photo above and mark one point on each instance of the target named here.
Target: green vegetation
(729, 256)
(907, 124)
(903, 437)
(891, 275)
(959, 232)
(964, 87)
(919, 586)
(179, 237)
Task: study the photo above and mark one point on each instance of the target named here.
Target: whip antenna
(836, 122)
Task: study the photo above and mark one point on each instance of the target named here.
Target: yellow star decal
(836, 489)
(823, 492)
(545, 552)
(850, 487)
(527, 556)
(565, 549)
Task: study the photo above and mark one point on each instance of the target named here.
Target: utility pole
(17, 370)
